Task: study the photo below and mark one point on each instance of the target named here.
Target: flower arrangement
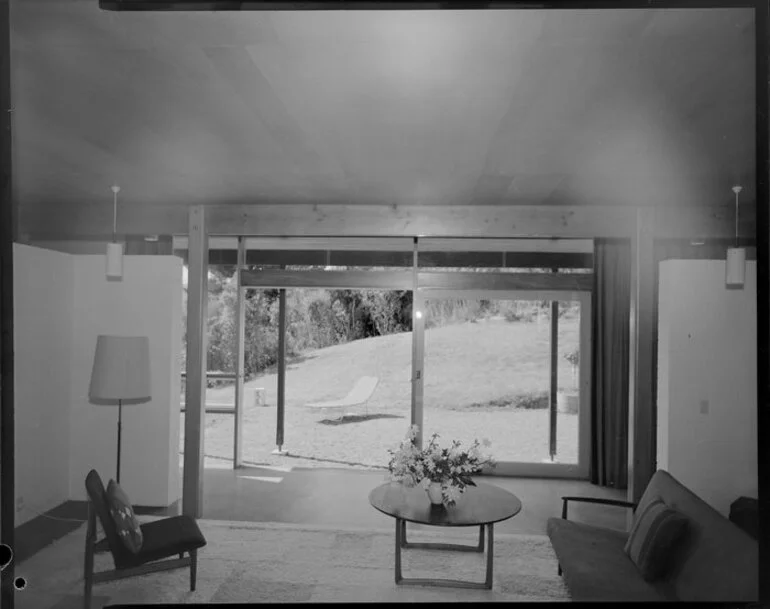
(451, 467)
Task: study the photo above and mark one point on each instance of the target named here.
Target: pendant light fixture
(735, 266)
(115, 249)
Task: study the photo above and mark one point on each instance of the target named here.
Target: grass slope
(474, 372)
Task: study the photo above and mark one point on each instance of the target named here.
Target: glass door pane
(347, 376)
(487, 375)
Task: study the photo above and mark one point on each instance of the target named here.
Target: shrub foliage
(318, 318)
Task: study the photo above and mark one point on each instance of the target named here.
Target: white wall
(707, 380)
(43, 312)
(147, 301)
(74, 246)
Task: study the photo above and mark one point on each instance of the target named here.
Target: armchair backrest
(98, 498)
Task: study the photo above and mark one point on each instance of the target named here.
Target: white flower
(425, 483)
(451, 493)
(411, 465)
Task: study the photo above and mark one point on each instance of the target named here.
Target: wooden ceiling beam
(379, 5)
(488, 221)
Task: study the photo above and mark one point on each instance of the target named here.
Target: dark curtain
(610, 334)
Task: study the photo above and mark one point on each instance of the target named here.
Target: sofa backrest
(717, 561)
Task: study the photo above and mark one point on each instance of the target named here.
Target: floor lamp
(121, 374)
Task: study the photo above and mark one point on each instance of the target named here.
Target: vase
(434, 493)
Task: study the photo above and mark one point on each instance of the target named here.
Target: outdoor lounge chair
(162, 539)
(360, 394)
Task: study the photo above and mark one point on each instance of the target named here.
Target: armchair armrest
(617, 502)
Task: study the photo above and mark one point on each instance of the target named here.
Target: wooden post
(554, 387)
(279, 438)
(7, 234)
(195, 387)
(418, 349)
(641, 401)
(240, 358)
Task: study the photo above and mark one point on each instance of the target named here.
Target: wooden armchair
(163, 538)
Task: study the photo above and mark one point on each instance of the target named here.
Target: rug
(282, 563)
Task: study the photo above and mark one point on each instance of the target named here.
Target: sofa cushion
(122, 514)
(595, 565)
(716, 561)
(653, 538)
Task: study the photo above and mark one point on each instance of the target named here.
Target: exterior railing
(215, 408)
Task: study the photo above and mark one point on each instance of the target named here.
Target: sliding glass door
(510, 367)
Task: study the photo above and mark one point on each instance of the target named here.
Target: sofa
(714, 560)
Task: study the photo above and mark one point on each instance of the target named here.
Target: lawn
(474, 372)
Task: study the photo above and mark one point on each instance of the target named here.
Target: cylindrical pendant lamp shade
(115, 260)
(121, 368)
(735, 267)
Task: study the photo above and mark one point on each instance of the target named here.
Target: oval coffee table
(481, 506)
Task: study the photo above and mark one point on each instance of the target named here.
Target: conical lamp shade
(121, 368)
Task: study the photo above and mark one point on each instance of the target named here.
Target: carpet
(277, 562)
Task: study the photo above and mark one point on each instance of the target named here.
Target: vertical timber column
(641, 401)
(197, 340)
(281, 406)
(418, 349)
(7, 235)
(240, 357)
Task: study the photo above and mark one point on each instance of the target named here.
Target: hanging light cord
(115, 191)
(737, 190)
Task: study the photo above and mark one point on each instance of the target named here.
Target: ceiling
(566, 107)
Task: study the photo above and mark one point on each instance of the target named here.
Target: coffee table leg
(479, 547)
(490, 554)
(488, 580)
(399, 532)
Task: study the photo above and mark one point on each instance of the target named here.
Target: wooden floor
(340, 497)
(334, 496)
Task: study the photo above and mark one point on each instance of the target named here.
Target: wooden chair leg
(193, 569)
(88, 566)
(88, 584)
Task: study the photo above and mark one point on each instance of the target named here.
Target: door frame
(459, 284)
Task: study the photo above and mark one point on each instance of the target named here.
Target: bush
(519, 310)
(533, 400)
(529, 400)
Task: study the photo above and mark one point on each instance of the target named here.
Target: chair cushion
(123, 516)
(169, 536)
(654, 534)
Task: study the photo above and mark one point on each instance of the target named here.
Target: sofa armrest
(617, 502)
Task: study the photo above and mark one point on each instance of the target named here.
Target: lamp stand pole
(120, 421)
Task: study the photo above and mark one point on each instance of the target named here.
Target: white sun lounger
(360, 394)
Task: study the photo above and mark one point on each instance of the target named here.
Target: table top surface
(481, 504)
